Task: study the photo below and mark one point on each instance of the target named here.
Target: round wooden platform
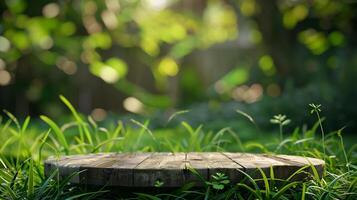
(172, 169)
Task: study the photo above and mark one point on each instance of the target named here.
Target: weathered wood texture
(176, 169)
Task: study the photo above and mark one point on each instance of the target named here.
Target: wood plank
(144, 169)
(69, 165)
(251, 163)
(210, 163)
(298, 162)
(303, 160)
(165, 167)
(195, 162)
(116, 170)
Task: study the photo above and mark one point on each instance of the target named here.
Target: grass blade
(266, 183)
(176, 114)
(57, 131)
(246, 115)
(282, 190)
(30, 183)
(13, 118)
(303, 192)
(78, 119)
(25, 124)
(144, 127)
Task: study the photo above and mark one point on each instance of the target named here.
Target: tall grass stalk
(316, 108)
(343, 149)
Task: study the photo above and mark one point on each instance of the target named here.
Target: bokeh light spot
(67, 66)
(293, 16)
(248, 7)
(4, 44)
(5, 77)
(108, 74)
(2, 64)
(266, 64)
(67, 28)
(132, 104)
(336, 38)
(248, 94)
(156, 4)
(168, 67)
(51, 10)
(110, 19)
(46, 43)
(315, 41)
(237, 76)
(113, 5)
(99, 114)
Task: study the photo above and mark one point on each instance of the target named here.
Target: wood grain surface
(176, 169)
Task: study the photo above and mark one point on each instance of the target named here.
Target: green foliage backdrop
(142, 54)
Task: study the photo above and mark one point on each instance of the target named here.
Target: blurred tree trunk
(277, 40)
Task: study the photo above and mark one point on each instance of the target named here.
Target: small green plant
(158, 183)
(220, 180)
(282, 121)
(316, 108)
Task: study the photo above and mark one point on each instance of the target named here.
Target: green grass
(26, 144)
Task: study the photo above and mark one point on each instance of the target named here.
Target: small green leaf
(218, 186)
